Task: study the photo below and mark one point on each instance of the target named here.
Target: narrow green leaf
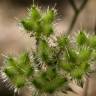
(81, 38)
(84, 54)
(19, 81)
(34, 12)
(49, 16)
(62, 41)
(47, 30)
(71, 55)
(77, 73)
(10, 72)
(27, 24)
(44, 51)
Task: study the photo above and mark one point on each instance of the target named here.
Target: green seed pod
(24, 59)
(33, 26)
(10, 72)
(85, 54)
(37, 28)
(71, 55)
(67, 66)
(28, 70)
(44, 51)
(11, 61)
(81, 39)
(49, 16)
(49, 74)
(47, 30)
(54, 84)
(19, 81)
(34, 13)
(27, 24)
(49, 85)
(62, 41)
(39, 83)
(77, 73)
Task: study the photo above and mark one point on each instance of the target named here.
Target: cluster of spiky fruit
(50, 67)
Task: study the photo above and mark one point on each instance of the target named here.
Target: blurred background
(13, 40)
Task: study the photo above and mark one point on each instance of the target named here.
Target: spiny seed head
(84, 54)
(27, 24)
(48, 30)
(19, 81)
(10, 72)
(49, 16)
(35, 13)
(62, 41)
(81, 38)
(77, 73)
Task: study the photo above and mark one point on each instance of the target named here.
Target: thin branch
(83, 5)
(73, 22)
(77, 13)
(72, 3)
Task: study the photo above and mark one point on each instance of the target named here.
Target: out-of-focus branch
(76, 89)
(72, 3)
(83, 5)
(76, 14)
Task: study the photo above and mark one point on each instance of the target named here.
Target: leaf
(51, 85)
(55, 84)
(31, 25)
(24, 59)
(11, 72)
(49, 74)
(34, 12)
(67, 66)
(81, 38)
(47, 30)
(48, 18)
(37, 28)
(25, 64)
(71, 55)
(19, 81)
(28, 70)
(44, 51)
(84, 54)
(10, 61)
(38, 82)
(27, 24)
(62, 41)
(77, 73)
